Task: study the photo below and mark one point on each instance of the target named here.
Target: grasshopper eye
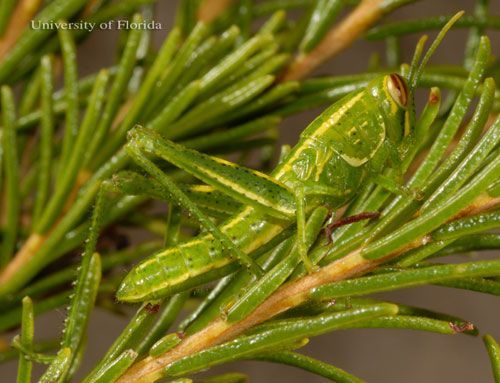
(397, 89)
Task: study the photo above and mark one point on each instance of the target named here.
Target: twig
(21, 16)
(482, 203)
(81, 179)
(286, 297)
(337, 39)
(36, 240)
(23, 256)
(91, 7)
(210, 9)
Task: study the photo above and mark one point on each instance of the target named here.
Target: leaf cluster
(221, 85)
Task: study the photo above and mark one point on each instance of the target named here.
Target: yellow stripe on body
(337, 115)
(319, 132)
(355, 162)
(185, 276)
(256, 197)
(257, 173)
(202, 188)
(272, 231)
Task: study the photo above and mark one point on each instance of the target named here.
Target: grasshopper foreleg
(301, 229)
(307, 189)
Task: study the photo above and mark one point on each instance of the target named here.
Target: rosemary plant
(106, 150)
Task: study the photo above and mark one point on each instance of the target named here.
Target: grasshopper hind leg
(182, 200)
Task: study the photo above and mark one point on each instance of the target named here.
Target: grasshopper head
(391, 94)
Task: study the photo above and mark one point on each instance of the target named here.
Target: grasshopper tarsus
(312, 269)
(417, 194)
(309, 265)
(152, 308)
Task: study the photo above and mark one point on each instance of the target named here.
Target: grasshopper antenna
(417, 66)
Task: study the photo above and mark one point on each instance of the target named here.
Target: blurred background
(378, 356)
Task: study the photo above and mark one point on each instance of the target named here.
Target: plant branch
(286, 297)
(21, 16)
(337, 39)
(35, 241)
(23, 256)
(210, 9)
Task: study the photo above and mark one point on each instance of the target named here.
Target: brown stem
(210, 9)
(482, 203)
(82, 177)
(337, 39)
(4, 345)
(91, 7)
(23, 256)
(36, 240)
(286, 297)
(20, 18)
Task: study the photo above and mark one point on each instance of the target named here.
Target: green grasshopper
(349, 144)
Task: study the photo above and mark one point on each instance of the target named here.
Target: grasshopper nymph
(349, 143)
